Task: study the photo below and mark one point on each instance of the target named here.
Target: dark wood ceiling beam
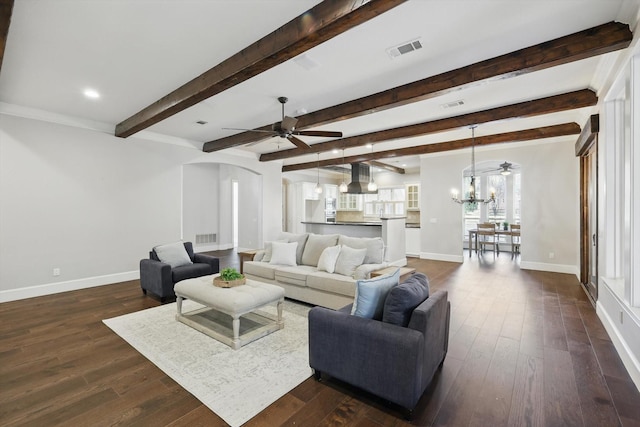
(321, 23)
(385, 166)
(551, 104)
(517, 136)
(584, 44)
(6, 9)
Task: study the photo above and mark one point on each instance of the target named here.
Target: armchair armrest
(155, 276)
(214, 262)
(381, 358)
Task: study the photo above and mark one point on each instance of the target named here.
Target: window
(506, 208)
(388, 201)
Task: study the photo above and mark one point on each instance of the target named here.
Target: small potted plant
(228, 278)
(505, 225)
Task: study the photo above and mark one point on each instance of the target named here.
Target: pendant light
(472, 187)
(318, 187)
(372, 185)
(343, 185)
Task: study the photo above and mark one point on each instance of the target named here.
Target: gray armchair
(158, 278)
(394, 362)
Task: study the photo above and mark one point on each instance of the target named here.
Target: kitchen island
(392, 231)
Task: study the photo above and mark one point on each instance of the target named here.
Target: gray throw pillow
(374, 246)
(404, 298)
(349, 259)
(173, 254)
(316, 243)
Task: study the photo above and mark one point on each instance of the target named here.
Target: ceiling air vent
(404, 48)
(453, 104)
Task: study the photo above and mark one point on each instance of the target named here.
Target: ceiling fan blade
(298, 142)
(253, 130)
(327, 133)
(288, 123)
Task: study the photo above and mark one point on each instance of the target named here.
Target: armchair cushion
(371, 295)
(190, 271)
(173, 254)
(404, 298)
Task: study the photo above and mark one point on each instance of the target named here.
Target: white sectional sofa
(302, 278)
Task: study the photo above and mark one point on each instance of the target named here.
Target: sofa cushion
(316, 243)
(283, 253)
(374, 246)
(173, 254)
(260, 269)
(371, 295)
(334, 283)
(402, 299)
(349, 259)
(190, 271)
(300, 238)
(294, 275)
(328, 258)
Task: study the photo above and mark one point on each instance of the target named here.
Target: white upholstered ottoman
(221, 318)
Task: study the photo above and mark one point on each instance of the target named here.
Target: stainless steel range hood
(360, 174)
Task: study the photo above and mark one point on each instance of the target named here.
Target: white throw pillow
(173, 254)
(349, 259)
(328, 258)
(283, 253)
(268, 250)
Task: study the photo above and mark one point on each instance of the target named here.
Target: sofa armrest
(213, 262)
(259, 255)
(364, 271)
(381, 358)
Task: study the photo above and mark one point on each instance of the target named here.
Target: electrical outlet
(56, 271)
(552, 255)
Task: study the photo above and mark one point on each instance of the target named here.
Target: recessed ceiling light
(335, 151)
(369, 145)
(91, 93)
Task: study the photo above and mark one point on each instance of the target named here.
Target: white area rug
(235, 384)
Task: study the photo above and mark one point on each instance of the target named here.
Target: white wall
(550, 203)
(93, 205)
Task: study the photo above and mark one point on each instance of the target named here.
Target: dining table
(473, 236)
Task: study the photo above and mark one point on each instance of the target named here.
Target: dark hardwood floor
(526, 348)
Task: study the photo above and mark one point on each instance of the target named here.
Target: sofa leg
(317, 375)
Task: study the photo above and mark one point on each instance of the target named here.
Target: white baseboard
(215, 247)
(71, 285)
(553, 268)
(626, 355)
(399, 262)
(442, 257)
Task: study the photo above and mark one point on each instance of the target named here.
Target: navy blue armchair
(393, 362)
(158, 278)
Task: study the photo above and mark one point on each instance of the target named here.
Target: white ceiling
(135, 52)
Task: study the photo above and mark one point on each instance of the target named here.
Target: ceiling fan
(286, 128)
(506, 168)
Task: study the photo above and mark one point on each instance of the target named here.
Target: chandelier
(472, 187)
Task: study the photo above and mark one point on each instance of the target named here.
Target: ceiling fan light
(505, 172)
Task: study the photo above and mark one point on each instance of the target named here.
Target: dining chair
(515, 239)
(487, 236)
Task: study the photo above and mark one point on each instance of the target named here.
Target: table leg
(470, 238)
(179, 303)
(236, 332)
(280, 303)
